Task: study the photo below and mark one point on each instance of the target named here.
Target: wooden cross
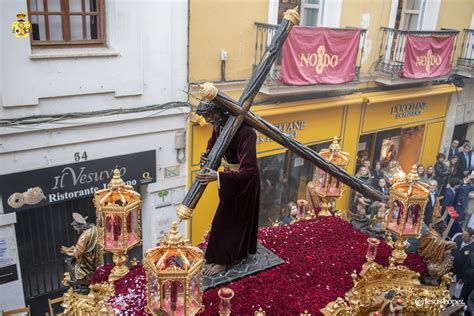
(241, 112)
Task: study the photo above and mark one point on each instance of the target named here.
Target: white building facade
(97, 85)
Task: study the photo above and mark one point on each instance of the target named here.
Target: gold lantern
(408, 199)
(118, 220)
(174, 276)
(326, 187)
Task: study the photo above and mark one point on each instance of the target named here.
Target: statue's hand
(204, 158)
(63, 249)
(206, 177)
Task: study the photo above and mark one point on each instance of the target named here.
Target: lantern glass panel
(133, 235)
(320, 181)
(412, 221)
(173, 297)
(194, 290)
(154, 303)
(113, 232)
(334, 188)
(174, 262)
(397, 214)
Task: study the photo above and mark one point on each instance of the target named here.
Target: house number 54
(79, 156)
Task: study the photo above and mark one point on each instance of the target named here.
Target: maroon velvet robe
(234, 228)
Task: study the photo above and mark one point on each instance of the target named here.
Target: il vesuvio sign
(427, 56)
(313, 55)
(30, 189)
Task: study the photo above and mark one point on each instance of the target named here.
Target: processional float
(163, 272)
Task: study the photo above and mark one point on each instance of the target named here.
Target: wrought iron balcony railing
(392, 48)
(265, 33)
(467, 50)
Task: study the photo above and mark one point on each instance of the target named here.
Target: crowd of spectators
(449, 180)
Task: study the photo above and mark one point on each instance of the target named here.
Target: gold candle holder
(302, 209)
(225, 295)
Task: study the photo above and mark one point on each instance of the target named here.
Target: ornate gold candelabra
(408, 199)
(326, 187)
(174, 276)
(118, 220)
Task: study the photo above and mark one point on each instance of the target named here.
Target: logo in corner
(21, 28)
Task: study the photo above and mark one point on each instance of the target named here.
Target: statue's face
(210, 117)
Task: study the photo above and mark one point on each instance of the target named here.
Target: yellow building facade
(372, 119)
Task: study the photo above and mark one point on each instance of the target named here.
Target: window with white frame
(311, 12)
(411, 15)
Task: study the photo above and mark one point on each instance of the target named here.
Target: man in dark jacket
(465, 159)
(431, 202)
(450, 200)
(463, 265)
(453, 149)
(450, 192)
(441, 171)
(463, 195)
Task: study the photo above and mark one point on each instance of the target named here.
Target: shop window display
(283, 180)
(400, 144)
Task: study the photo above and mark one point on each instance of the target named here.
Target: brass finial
(413, 175)
(208, 91)
(116, 181)
(173, 238)
(184, 212)
(292, 15)
(334, 147)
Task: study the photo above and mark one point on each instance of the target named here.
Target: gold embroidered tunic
(87, 254)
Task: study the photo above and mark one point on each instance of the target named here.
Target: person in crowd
(441, 170)
(431, 201)
(450, 193)
(463, 196)
(453, 167)
(364, 175)
(450, 200)
(382, 187)
(361, 157)
(429, 174)
(465, 159)
(376, 173)
(462, 265)
(291, 212)
(420, 170)
(366, 163)
(454, 148)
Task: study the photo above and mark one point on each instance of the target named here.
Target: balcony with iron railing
(465, 65)
(392, 51)
(265, 34)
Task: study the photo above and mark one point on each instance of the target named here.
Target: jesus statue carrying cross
(233, 234)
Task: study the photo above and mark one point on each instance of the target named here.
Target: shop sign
(408, 109)
(290, 128)
(30, 189)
